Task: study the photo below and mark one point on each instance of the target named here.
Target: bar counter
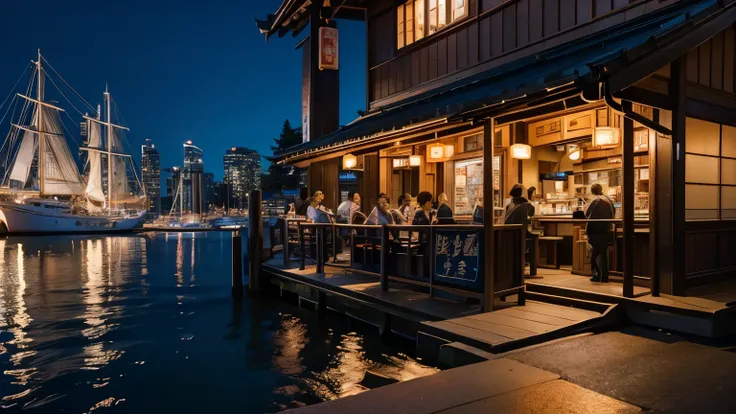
(573, 249)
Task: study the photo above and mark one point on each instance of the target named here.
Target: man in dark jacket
(599, 234)
(520, 209)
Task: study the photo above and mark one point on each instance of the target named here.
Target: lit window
(409, 23)
(459, 9)
(419, 18)
(400, 27)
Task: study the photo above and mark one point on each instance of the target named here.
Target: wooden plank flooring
(564, 279)
(510, 324)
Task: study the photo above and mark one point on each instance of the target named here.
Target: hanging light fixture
(349, 162)
(574, 152)
(521, 151)
(449, 151)
(606, 137)
(436, 151)
(415, 160)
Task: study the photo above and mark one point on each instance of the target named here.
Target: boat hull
(26, 219)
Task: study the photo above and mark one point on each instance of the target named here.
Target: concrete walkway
(497, 386)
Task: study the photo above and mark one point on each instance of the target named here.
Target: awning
(570, 67)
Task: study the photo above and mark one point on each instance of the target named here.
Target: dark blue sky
(191, 69)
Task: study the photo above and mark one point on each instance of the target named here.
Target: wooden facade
(495, 32)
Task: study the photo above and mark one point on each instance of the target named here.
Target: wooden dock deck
(516, 326)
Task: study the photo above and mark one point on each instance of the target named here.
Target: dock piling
(255, 241)
(237, 268)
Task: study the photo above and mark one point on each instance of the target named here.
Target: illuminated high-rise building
(151, 176)
(192, 187)
(242, 174)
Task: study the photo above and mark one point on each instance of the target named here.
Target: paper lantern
(449, 151)
(605, 137)
(521, 151)
(436, 151)
(349, 162)
(415, 160)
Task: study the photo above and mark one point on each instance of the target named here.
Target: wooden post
(677, 96)
(521, 300)
(432, 244)
(255, 240)
(237, 267)
(488, 236)
(319, 232)
(628, 201)
(384, 258)
(300, 229)
(334, 243)
(285, 244)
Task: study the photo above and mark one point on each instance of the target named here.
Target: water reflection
(98, 323)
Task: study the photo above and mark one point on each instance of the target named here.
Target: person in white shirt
(381, 213)
(405, 208)
(348, 207)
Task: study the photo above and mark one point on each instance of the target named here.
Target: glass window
(728, 171)
(432, 16)
(409, 23)
(441, 14)
(728, 202)
(400, 27)
(729, 142)
(702, 137)
(459, 9)
(468, 185)
(700, 169)
(701, 202)
(419, 19)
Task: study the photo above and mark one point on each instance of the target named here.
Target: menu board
(457, 260)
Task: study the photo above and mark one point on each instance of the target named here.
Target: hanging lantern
(349, 162)
(606, 137)
(449, 151)
(436, 151)
(415, 160)
(521, 151)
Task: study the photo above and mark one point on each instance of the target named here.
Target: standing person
(519, 209)
(599, 234)
(444, 211)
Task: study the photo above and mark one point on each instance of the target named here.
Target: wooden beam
(488, 236)
(678, 96)
(628, 200)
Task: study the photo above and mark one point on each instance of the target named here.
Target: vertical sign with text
(328, 52)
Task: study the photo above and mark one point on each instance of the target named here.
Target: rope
(13, 89)
(69, 86)
(62, 94)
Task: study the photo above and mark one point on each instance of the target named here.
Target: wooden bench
(547, 242)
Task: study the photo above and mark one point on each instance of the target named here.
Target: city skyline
(168, 93)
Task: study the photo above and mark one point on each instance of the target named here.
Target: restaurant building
(469, 97)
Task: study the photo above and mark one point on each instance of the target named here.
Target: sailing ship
(43, 191)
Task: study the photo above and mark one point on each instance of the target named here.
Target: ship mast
(109, 150)
(39, 126)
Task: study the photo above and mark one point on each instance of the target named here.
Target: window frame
(426, 24)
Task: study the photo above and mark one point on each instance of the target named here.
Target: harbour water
(145, 323)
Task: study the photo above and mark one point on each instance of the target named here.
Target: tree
(283, 177)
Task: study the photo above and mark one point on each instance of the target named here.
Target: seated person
(302, 202)
(423, 214)
(318, 213)
(405, 208)
(519, 209)
(444, 212)
(380, 214)
(478, 213)
(348, 207)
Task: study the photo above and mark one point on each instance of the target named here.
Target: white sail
(119, 187)
(95, 192)
(24, 158)
(61, 175)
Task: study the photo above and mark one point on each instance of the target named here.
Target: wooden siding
(712, 63)
(493, 29)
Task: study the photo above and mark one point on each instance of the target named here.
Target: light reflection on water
(145, 323)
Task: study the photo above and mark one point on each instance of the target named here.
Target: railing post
(334, 243)
(237, 268)
(285, 241)
(384, 258)
(431, 253)
(489, 250)
(319, 232)
(520, 274)
(300, 229)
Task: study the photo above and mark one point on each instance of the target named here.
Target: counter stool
(547, 242)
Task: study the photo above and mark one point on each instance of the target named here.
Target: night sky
(178, 70)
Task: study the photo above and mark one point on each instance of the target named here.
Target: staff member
(599, 234)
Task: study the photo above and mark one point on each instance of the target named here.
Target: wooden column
(237, 265)
(677, 95)
(488, 236)
(628, 201)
